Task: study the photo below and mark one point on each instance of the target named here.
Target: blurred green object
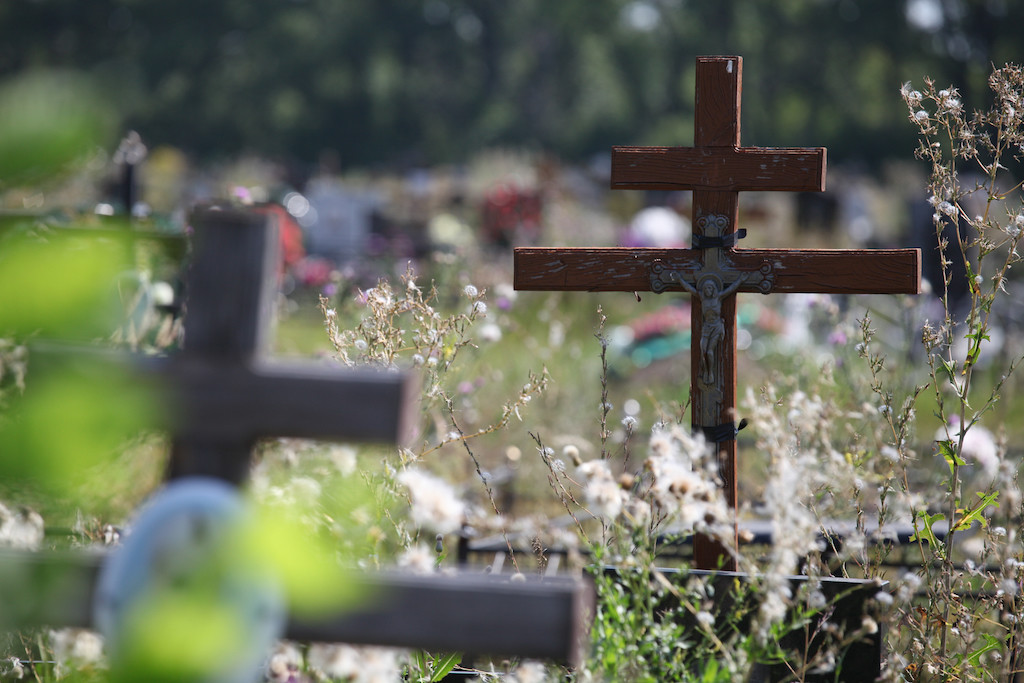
(71, 421)
(50, 120)
(74, 414)
(62, 287)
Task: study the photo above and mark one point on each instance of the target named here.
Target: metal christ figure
(709, 291)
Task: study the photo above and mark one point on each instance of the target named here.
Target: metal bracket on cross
(718, 271)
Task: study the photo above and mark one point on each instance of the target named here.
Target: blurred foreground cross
(717, 169)
(223, 396)
(227, 394)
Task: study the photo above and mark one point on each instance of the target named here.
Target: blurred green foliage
(409, 81)
(50, 119)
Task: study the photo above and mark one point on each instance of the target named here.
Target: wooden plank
(542, 618)
(203, 399)
(716, 168)
(308, 400)
(719, 94)
(828, 271)
(478, 614)
(231, 284)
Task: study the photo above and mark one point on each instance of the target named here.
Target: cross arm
(209, 399)
(826, 271)
(543, 618)
(301, 399)
(718, 168)
(837, 271)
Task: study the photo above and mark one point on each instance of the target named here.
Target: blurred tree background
(397, 82)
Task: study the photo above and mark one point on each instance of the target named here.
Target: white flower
(601, 490)
(434, 503)
(419, 559)
(479, 307)
(471, 291)
(528, 672)
(706, 619)
(921, 115)
(606, 497)
(630, 423)
(890, 454)
(344, 459)
(12, 668)
(355, 664)
(360, 345)
(75, 646)
(21, 529)
(490, 332)
(284, 664)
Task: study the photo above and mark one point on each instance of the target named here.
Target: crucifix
(222, 394)
(716, 169)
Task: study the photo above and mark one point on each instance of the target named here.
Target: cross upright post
(716, 169)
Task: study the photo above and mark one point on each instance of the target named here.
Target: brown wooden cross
(224, 394)
(227, 392)
(716, 169)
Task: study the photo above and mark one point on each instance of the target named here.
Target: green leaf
(977, 514)
(948, 452)
(926, 533)
(443, 666)
(949, 367)
(991, 643)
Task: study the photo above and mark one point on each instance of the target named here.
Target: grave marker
(223, 396)
(227, 394)
(717, 169)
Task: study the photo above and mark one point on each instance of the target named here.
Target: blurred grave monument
(222, 394)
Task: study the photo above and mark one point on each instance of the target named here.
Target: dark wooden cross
(224, 395)
(227, 393)
(716, 169)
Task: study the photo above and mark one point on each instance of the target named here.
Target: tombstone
(224, 394)
(340, 225)
(716, 169)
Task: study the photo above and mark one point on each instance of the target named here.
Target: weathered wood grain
(828, 271)
(718, 168)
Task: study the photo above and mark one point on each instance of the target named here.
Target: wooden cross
(224, 396)
(716, 169)
(227, 394)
